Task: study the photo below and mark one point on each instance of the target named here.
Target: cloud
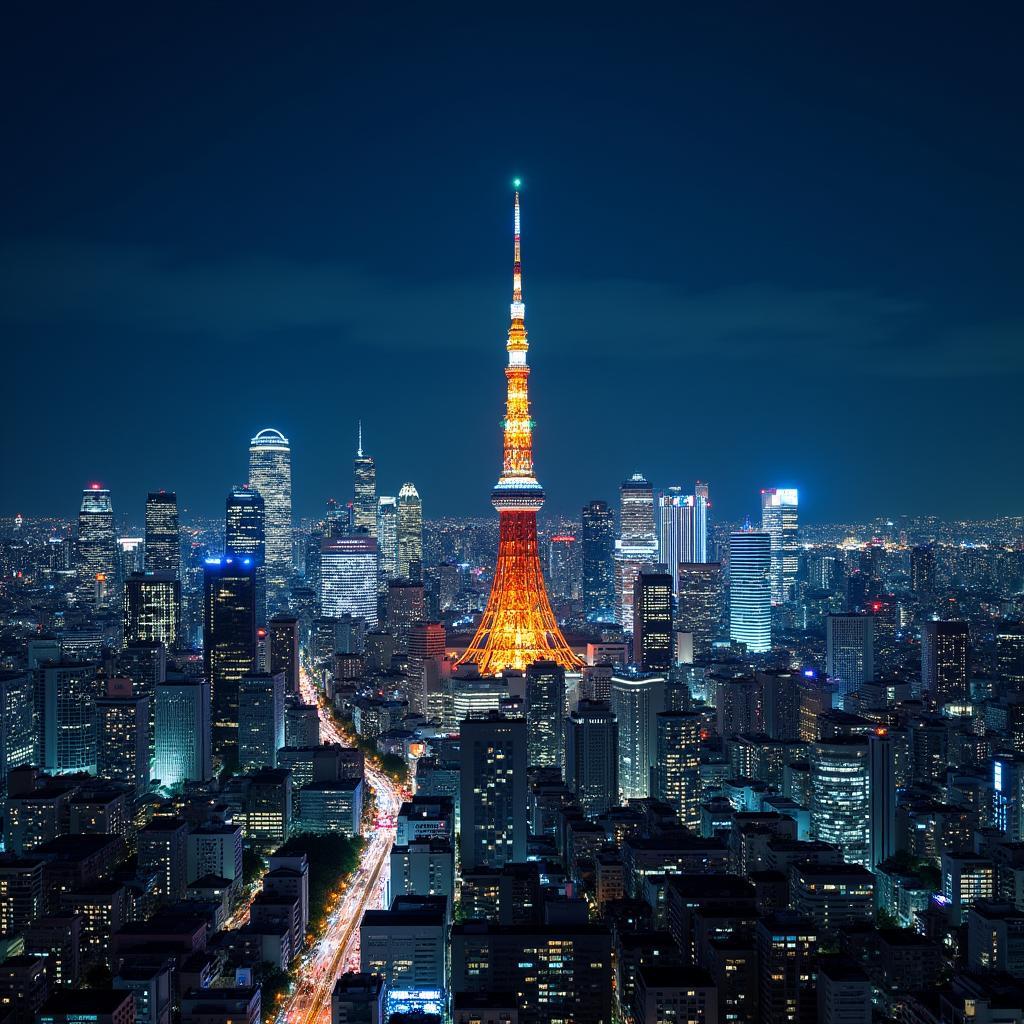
(854, 330)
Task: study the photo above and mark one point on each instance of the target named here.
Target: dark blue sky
(762, 245)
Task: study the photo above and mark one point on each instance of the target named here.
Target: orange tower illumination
(518, 626)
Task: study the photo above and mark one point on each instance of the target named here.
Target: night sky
(763, 245)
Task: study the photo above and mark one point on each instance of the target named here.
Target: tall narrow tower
(518, 626)
(364, 504)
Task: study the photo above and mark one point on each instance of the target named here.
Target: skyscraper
(494, 813)
(545, 714)
(426, 641)
(779, 519)
(882, 793)
(122, 735)
(260, 720)
(637, 699)
(849, 651)
(284, 650)
(245, 537)
(163, 547)
(229, 643)
(592, 757)
(677, 764)
(563, 567)
(364, 502)
(637, 544)
(750, 599)
(97, 548)
(518, 626)
(945, 666)
(700, 604)
(387, 537)
(270, 473)
(683, 528)
(348, 577)
(68, 718)
(183, 735)
(652, 620)
(841, 796)
(598, 537)
(17, 721)
(152, 608)
(410, 533)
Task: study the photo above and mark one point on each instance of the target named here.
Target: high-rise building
(387, 537)
(637, 545)
(849, 651)
(426, 643)
(270, 473)
(364, 502)
(245, 537)
(97, 548)
(652, 620)
(882, 794)
(750, 599)
(779, 519)
(518, 626)
(348, 577)
(410, 532)
(494, 813)
(122, 735)
(183, 735)
(260, 720)
(592, 757)
(563, 566)
(545, 714)
(683, 528)
(841, 796)
(700, 597)
(598, 539)
(922, 571)
(229, 642)
(787, 953)
(637, 698)
(780, 704)
(677, 764)
(163, 547)
(17, 722)
(945, 664)
(152, 608)
(68, 717)
(284, 650)
(1010, 652)
(130, 557)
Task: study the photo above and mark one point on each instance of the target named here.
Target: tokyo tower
(518, 626)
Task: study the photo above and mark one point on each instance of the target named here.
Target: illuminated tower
(364, 504)
(410, 533)
(270, 473)
(518, 626)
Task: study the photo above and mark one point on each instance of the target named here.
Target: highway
(337, 948)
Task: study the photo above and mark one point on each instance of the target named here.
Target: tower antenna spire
(359, 445)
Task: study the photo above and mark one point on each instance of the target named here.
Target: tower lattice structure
(518, 626)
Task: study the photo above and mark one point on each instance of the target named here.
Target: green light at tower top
(517, 182)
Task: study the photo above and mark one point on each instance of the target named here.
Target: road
(337, 949)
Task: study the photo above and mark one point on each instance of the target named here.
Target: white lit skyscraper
(270, 473)
(348, 577)
(683, 528)
(677, 764)
(779, 519)
(182, 731)
(841, 796)
(364, 502)
(260, 720)
(750, 599)
(598, 536)
(387, 537)
(97, 547)
(163, 550)
(637, 698)
(637, 544)
(410, 532)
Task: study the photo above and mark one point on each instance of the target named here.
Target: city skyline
(740, 241)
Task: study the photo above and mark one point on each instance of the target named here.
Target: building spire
(359, 445)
